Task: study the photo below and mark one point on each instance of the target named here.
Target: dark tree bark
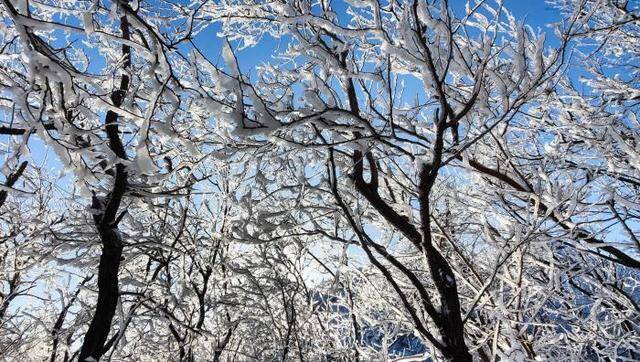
(107, 224)
(11, 180)
(93, 345)
(4, 130)
(451, 325)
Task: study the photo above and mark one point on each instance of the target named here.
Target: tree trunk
(98, 332)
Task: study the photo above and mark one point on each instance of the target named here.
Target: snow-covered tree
(419, 178)
(101, 84)
(420, 132)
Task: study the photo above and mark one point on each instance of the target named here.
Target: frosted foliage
(248, 180)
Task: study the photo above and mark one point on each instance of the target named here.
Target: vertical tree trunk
(107, 295)
(107, 224)
(451, 326)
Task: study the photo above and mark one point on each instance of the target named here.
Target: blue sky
(535, 12)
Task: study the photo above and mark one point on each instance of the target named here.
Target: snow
(87, 20)
(251, 192)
